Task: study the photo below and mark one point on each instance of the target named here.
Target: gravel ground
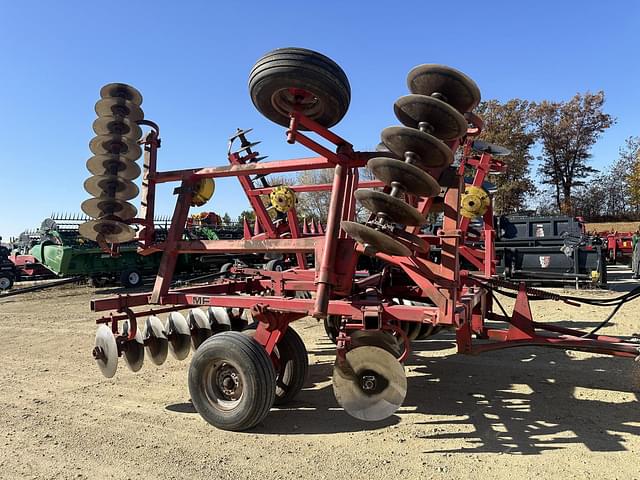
(514, 413)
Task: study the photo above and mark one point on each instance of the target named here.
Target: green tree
(509, 124)
(226, 218)
(567, 131)
(250, 215)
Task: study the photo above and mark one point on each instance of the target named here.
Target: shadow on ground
(522, 401)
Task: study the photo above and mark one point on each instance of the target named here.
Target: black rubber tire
(6, 281)
(332, 327)
(299, 68)
(291, 355)
(275, 265)
(253, 366)
(98, 282)
(131, 278)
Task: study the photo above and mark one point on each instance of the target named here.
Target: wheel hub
(228, 382)
(289, 99)
(371, 382)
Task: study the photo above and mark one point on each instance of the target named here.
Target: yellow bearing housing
(202, 192)
(282, 198)
(474, 202)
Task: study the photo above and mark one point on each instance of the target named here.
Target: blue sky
(191, 59)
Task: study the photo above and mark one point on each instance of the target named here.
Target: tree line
(564, 133)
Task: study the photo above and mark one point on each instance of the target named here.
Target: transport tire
(232, 381)
(291, 364)
(275, 265)
(98, 282)
(131, 278)
(6, 281)
(296, 78)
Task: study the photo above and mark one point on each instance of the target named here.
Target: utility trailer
(241, 327)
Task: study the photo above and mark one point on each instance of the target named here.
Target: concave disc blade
(413, 179)
(371, 238)
(118, 107)
(111, 186)
(458, 90)
(429, 151)
(199, 327)
(376, 338)
(108, 358)
(177, 331)
(441, 119)
(109, 164)
(111, 125)
(100, 207)
(392, 208)
(133, 349)
(156, 341)
(219, 319)
(117, 145)
(372, 386)
(121, 90)
(112, 231)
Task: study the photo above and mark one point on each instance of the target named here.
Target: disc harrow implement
(423, 260)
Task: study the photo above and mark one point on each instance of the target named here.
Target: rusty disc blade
(391, 208)
(429, 151)
(101, 207)
(375, 240)
(118, 107)
(121, 90)
(113, 165)
(413, 179)
(111, 186)
(449, 84)
(441, 119)
(112, 231)
(115, 144)
(111, 125)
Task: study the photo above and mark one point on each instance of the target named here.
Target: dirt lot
(517, 414)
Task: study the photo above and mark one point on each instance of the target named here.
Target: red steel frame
(455, 297)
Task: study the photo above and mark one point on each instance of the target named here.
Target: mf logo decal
(200, 300)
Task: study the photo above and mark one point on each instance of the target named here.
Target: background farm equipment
(58, 250)
(619, 246)
(549, 250)
(247, 356)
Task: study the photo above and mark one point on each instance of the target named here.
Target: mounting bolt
(98, 353)
(368, 382)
